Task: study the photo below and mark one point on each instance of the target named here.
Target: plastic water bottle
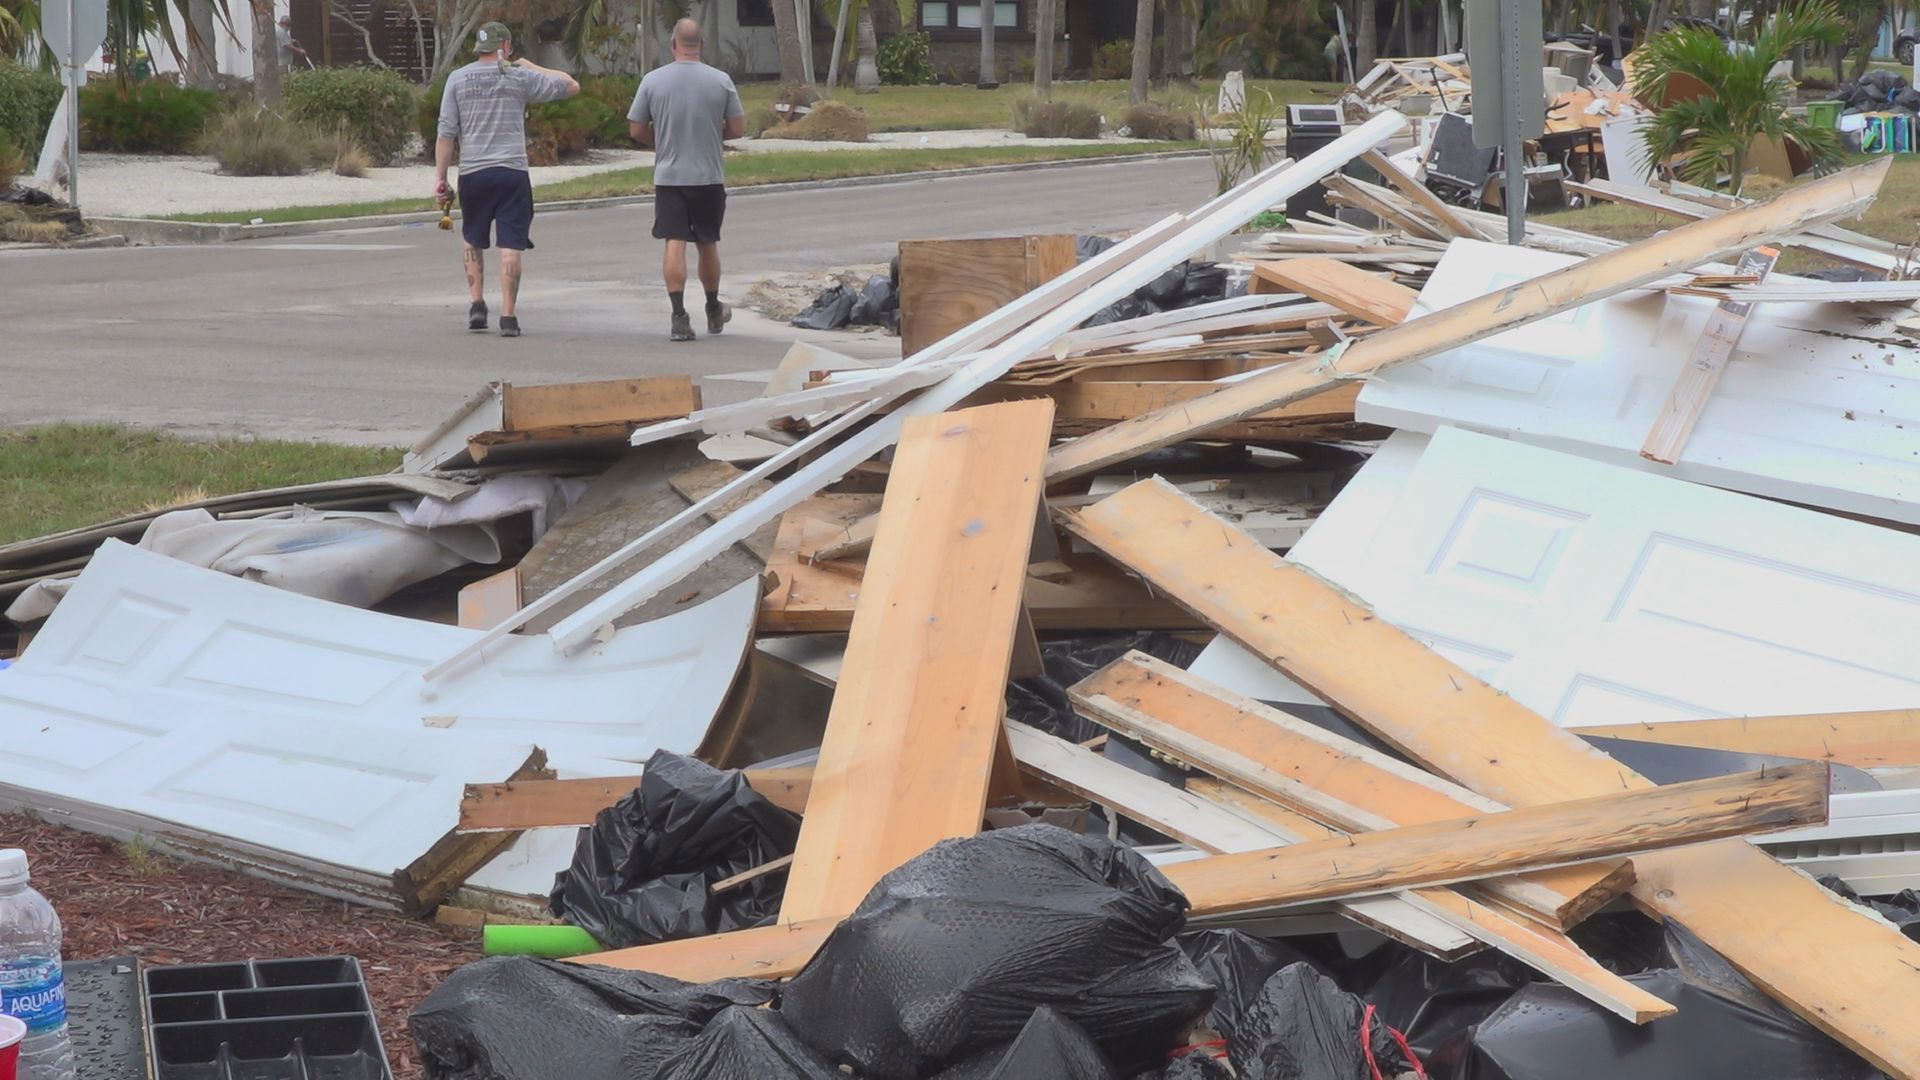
(30, 983)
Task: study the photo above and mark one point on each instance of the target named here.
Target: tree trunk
(1560, 23)
(1613, 28)
(202, 68)
(1182, 30)
(989, 70)
(1366, 37)
(787, 36)
(839, 43)
(866, 69)
(1043, 16)
(266, 54)
(803, 28)
(1142, 51)
(1396, 31)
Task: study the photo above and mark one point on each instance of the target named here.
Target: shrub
(375, 107)
(155, 116)
(426, 117)
(12, 162)
(614, 91)
(830, 121)
(339, 150)
(564, 129)
(1114, 60)
(906, 60)
(1055, 119)
(27, 100)
(258, 142)
(1150, 121)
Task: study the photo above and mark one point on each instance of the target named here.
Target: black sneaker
(718, 316)
(682, 327)
(509, 326)
(477, 315)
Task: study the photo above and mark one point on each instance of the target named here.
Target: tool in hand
(446, 200)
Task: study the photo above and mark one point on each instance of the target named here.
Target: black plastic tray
(300, 1019)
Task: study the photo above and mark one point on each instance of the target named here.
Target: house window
(965, 14)
(753, 12)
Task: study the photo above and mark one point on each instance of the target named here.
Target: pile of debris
(1308, 683)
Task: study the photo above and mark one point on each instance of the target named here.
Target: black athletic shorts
(689, 213)
(497, 200)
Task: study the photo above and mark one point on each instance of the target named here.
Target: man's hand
(440, 188)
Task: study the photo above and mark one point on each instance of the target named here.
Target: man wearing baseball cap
(484, 114)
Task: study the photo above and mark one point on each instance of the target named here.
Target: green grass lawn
(743, 170)
(946, 108)
(64, 476)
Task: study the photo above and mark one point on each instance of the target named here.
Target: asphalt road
(360, 336)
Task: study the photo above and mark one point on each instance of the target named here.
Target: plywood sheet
(1818, 405)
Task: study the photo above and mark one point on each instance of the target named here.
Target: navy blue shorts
(497, 201)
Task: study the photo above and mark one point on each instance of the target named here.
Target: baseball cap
(490, 37)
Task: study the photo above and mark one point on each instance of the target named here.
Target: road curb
(162, 231)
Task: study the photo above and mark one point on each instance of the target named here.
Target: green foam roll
(552, 942)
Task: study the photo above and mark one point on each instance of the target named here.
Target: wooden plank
(1865, 740)
(909, 746)
(1824, 239)
(1314, 772)
(1487, 845)
(1374, 297)
(490, 600)
(778, 951)
(1674, 424)
(1543, 949)
(1382, 204)
(612, 401)
(820, 595)
(1425, 199)
(423, 883)
(947, 284)
(698, 483)
(1212, 828)
(541, 804)
(771, 866)
(1598, 277)
(1763, 917)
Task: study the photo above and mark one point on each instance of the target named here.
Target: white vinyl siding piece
(1819, 404)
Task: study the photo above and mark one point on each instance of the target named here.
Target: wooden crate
(946, 284)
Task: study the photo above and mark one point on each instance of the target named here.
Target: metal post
(1513, 145)
(75, 69)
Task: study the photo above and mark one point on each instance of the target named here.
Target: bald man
(686, 110)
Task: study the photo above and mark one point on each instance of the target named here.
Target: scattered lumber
(910, 741)
(1376, 299)
(1865, 740)
(539, 804)
(1601, 276)
(1314, 772)
(1764, 918)
(1718, 339)
(503, 422)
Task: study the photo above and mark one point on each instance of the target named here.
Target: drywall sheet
(1820, 404)
(185, 638)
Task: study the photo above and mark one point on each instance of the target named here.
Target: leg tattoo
(476, 272)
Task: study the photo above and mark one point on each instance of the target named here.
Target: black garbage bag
(26, 196)
(1042, 702)
(1433, 1002)
(1304, 1027)
(1192, 1065)
(1883, 85)
(951, 954)
(739, 1044)
(643, 873)
(876, 299)
(1724, 1027)
(1050, 1046)
(1127, 307)
(1165, 289)
(1902, 909)
(1205, 282)
(1908, 99)
(515, 1017)
(1086, 247)
(1238, 965)
(829, 311)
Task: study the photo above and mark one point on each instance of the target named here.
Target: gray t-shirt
(486, 109)
(688, 104)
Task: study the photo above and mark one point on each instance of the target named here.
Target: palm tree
(864, 49)
(1142, 51)
(1717, 130)
(129, 23)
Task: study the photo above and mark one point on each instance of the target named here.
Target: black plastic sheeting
(1042, 701)
(1238, 965)
(950, 955)
(1192, 1065)
(1876, 91)
(740, 1044)
(1050, 1046)
(519, 1017)
(1902, 909)
(877, 303)
(1304, 1027)
(1179, 286)
(1725, 1027)
(643, 873)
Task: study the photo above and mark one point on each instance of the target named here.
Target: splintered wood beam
(778, 951)
(909, 748)
(541, 804)
(1374, 297)
(1674, 424)
(1596, 278)
(1487, 845)
(1865, 740)
(1331, 779)
(456, 856)
(1421, 195)
(1765, 918)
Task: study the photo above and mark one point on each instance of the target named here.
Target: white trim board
(1819, 405)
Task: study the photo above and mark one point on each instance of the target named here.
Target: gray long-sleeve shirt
(486, 109)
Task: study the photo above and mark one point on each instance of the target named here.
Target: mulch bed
(116, 900)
